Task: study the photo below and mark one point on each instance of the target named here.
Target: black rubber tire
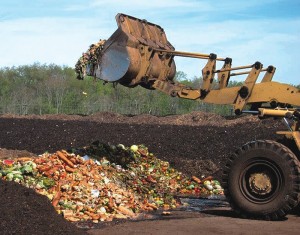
(269, 158)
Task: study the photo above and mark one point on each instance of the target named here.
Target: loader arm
(138, 53)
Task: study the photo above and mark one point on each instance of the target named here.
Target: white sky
(58, 31)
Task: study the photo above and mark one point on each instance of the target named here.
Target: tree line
(53, 89)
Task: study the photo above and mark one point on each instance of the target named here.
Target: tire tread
(292, 162)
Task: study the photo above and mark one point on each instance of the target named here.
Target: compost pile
(195, 144)
(101, 182)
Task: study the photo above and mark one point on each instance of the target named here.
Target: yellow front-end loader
(262, 178)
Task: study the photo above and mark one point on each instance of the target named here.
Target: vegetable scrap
(101, 182)
(87, 62)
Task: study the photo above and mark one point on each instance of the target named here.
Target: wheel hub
(260, 183)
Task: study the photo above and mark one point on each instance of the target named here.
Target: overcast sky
(58, 31)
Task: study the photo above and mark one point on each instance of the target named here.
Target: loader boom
(138, 53)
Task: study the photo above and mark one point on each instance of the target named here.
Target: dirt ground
(209, 222)
(196, 143)
(207, 225)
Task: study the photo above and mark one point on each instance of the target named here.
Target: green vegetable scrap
(24, 172)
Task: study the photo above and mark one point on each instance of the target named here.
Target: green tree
(42, 89)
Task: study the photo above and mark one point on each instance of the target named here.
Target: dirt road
(212, 221)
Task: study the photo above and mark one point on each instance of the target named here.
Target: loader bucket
(129, 55)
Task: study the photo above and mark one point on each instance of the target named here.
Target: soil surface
(196, 143)
(25, 212)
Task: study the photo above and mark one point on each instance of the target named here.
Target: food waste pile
(101, 182)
